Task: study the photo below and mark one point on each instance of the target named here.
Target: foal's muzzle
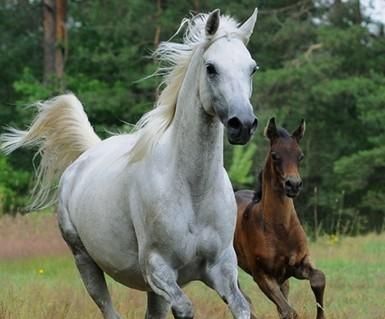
(293, 186)
(240, 129)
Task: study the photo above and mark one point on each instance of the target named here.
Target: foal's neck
(277, 208)
(196, 136)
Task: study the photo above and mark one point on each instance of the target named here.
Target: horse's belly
(118, 259)
(130, 277)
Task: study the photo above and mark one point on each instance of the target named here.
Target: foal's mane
(174, 59)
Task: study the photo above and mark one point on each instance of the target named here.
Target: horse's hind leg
(317, 282)
(91, 274)
(93, 278)
(157, 307)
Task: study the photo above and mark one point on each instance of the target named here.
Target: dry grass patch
(38, 279)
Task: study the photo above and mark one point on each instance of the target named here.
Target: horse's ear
(212, 23)
(271, 129)
(300, 131)
(247, 28)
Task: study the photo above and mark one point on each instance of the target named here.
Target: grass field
(38, 279)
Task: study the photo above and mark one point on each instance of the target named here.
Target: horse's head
(226, 76)
(285, 156)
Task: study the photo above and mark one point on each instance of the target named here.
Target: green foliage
(240, 171)
(13, 187)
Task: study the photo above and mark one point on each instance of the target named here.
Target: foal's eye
(301, 157)
(275, 156)
(211, 70)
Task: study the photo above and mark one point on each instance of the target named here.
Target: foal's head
(285, 156)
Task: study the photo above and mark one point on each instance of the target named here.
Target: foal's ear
(300, 131)
(212, 23)
(247, 28)
(271, 129)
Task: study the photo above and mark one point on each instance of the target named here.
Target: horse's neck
(196, 137)
(278, 209)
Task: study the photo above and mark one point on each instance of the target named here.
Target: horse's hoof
(183, 310)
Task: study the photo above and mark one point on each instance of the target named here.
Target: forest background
(320, 60)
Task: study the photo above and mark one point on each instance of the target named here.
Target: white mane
(176, 58)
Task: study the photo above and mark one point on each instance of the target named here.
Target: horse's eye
(301, 157)
(255, 69)
(275, 156)
(211, 70)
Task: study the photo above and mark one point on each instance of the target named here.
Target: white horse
(155, 209)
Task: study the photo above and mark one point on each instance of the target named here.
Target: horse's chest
(280, 254)
(209, 243)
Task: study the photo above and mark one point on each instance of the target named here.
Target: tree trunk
(197, 6)
(157, 18)
(49, 39)
(61, 37)
(315, 213)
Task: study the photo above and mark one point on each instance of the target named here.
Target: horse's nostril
(288, 184)
(234, 123)
(300, 184)
(254, 125)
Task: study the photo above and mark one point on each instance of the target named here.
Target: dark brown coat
(269, 240)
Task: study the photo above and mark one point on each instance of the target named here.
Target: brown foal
(269, 240)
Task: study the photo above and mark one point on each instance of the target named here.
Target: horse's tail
(61, 132)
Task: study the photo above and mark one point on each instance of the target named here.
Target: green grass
(41, 287)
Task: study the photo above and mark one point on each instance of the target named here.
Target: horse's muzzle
(293, 186)
(239, 131)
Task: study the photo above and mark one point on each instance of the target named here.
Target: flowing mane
(174, 59)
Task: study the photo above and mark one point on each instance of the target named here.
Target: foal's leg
(222, 277)
(157, 307)
(317, 282)
(162, 279)
(272, 290)
(285, 288)
(91, 274)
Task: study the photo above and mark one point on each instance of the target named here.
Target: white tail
(62, 132)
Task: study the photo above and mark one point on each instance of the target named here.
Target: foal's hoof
(290, 315)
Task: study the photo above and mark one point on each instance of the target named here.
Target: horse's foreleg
(222, 277)
(252, 316)
(162, 279)
(317, 282)
(157, 306)
(272, 290)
